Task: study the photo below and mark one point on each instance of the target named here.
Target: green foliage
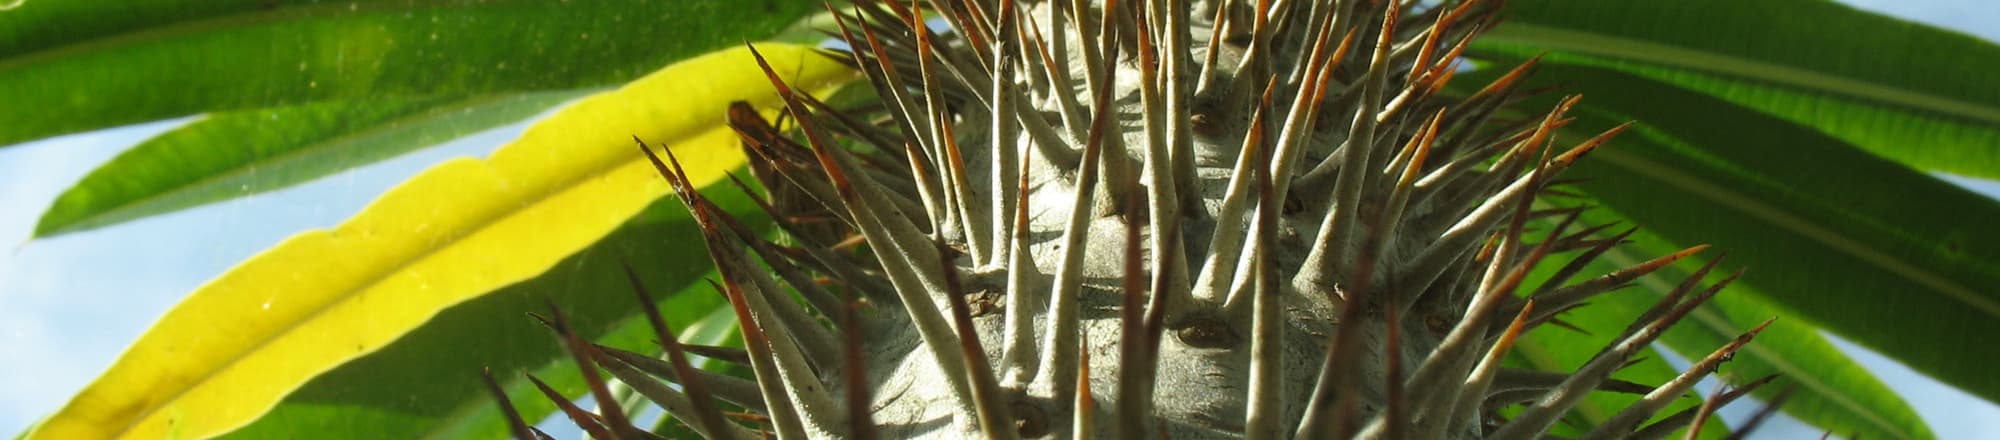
(1912, 93)
(1786, 132)
(1824, 245)
(284, 146)
(72, 66)
(427, 384)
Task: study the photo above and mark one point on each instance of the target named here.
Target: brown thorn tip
(1587, 146)
(777, 83)
(613, 414)
(584, 419)
(1512, 76)
(515, 424)
(1690, 251)
(698, 396)
(1760, 327)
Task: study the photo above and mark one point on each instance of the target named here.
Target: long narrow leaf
(414, 387)
(1563, 350)
(457, 231)
(1906, 91)
(1891, 258)
(71, 66)
(29, 27)
(1833, 392)
(235, 154)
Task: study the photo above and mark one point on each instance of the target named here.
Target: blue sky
(70, 304)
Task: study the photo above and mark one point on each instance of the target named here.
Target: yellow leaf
(237, 345)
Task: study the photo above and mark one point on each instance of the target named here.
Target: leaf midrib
(1724, 197)
(1619, 48)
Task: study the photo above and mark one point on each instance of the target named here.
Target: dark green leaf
(1905, 91)
(1563, 350)
(1893, 259)
(70, 66)
(1833, 391)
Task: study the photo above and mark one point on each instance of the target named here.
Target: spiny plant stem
(1001, 243)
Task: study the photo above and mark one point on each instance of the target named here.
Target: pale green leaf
(234, 154)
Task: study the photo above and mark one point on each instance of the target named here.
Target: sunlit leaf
(234, 154)
(418, 386)
(457, 231)
(1906, 91)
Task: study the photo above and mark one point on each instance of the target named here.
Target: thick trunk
(1224, 218)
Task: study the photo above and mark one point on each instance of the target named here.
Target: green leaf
(234, 154)
(1562, 350)
(427, 385)
(1905, 91)
(68, 66)
(457, 231)
(28, 27)
(1890, 258)
(1834, 392)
